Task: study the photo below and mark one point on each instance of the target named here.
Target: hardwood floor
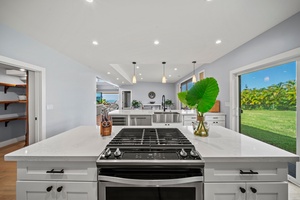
(8, 172)
(8, 176)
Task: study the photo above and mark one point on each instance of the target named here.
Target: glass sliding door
(267, 101)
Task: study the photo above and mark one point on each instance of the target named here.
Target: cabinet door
(224, 191)
(76, 191)
(267, 191)
(35, 190)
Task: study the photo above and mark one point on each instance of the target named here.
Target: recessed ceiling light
(156, 42)
(108, 72)
(117, 78)
(175, 69)
(170, 75)
(140, 74)
(137, 67)
(22, 70)
(218, 42)
(208, 0)
(95, 42)
(122, 81)
(90, 1)
(141, 78)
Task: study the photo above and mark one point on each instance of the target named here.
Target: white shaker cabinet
(246, 191)
(246, 181)
(54, 190)
(213, 119)
(56, 180)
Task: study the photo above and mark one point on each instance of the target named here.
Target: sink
(166, 117)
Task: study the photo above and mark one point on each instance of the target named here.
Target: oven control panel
(150, 154)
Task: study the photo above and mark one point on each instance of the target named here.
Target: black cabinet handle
(253, 190)
(250, 172)
(52, 171)
(59, 189)
(49, 188)
(243, 190)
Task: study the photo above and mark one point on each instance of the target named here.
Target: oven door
(161, 186)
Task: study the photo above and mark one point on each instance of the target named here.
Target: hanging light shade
(194, 80)
(133, 78)
(164, 80)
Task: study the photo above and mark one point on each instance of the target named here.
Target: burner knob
(194, 153)
(183, 153)
(107, 152)
(117, 153)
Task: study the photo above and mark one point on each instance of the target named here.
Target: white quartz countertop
(151, 112)
(85, 143)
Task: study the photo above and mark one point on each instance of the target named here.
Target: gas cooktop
(150, 147)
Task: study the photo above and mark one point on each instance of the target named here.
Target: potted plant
(169, 103)
(202, 96)
(136, 104)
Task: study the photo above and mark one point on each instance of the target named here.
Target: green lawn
(274, 127)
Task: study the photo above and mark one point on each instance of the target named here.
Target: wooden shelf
(7, 120)
(8, 85)
(6, 103)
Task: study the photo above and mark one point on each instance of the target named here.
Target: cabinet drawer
(216, 123)
(227, 172)
(76, 171)
(215, 118)
(190, 117)
(188, 123)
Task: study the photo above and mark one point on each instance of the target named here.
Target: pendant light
(164, 80)
(194, 80)
(133, 78)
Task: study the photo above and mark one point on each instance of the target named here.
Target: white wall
(70, 86)
(140, 91)
(281, 38)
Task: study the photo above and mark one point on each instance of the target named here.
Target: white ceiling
(126, 29)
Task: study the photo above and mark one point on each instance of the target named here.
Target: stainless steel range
(150, 164)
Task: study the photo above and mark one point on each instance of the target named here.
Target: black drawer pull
(59, 189)
(250, 172)
(49, 188)
(52, 171)
(242, 190)
(253, 190)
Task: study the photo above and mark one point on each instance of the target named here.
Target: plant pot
(202, 128)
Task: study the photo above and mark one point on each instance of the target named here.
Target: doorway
(36, 99)
(268, 107)
(246, 100)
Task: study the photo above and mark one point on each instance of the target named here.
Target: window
(107, 97)
(185, 86)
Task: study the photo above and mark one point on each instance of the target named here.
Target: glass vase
(202, 128)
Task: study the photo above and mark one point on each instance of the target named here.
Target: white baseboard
(11, 141)
(293, 180)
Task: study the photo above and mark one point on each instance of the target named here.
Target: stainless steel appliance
(150, 164)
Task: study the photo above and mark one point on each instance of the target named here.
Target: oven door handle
(138, 182)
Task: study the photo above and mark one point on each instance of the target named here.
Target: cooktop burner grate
(149, 137)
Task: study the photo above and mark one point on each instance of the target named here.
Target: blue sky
(269, 76)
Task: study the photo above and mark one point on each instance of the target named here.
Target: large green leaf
(182, 97)
(203, 94)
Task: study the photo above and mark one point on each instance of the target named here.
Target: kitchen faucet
(163, 103)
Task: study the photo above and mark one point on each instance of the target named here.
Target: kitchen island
(145, 117)
(64, 166)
